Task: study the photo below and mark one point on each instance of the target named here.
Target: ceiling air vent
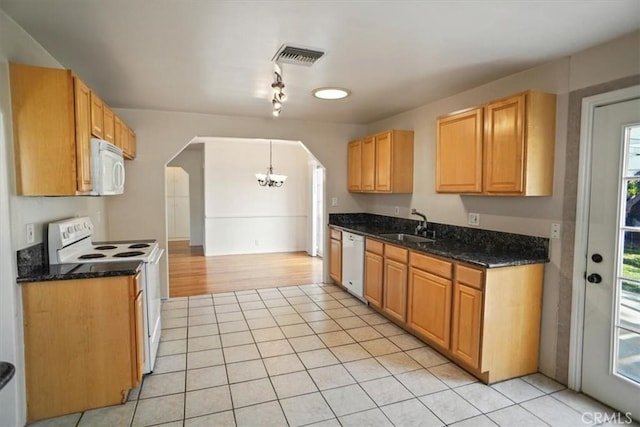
(295, 55)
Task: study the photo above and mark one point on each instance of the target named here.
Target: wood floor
(191, 273)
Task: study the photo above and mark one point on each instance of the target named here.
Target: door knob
(597, 258)
(594, 278)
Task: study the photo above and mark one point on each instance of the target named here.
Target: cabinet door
(504, 146)
(459, 152)
(335, 260)
(394, 300)
(82, 96)
(368, 164)
(354, 166)
(139, 339)
(117, 132)
(429, 306)
(373, 268)
(467, 318)
(108, 132)
(97, 116)
(130, 152)
(383, 162)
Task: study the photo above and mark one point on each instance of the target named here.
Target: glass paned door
(626, 346)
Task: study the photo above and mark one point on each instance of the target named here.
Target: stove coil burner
(128, 254)
(104, 248)
(139, 245)
(92, 256)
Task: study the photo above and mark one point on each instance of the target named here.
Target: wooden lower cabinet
(335, 255)
(466, 324)
(429, 306)
(394, 290)
(485, 319)
(373, 272)
(83, 344)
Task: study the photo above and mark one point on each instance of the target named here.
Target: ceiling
(214, 57)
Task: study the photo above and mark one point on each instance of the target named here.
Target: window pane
(627, 360)
(631, 261)
(629, 315)
(632, 216)
(633, 151)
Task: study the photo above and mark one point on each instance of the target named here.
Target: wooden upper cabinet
(459, 152)
(504, 148)
(108, 132)
(130, 148)
(368, 170)
(44, 130)
(519, 145)
(382, 163)
(97, 116)
(354, 166)
(83, 134)
(117, 132)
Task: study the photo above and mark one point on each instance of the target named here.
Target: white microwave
(107, 168)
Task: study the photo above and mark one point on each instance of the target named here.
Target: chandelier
(270, 179)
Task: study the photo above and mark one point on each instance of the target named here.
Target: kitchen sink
(409, 238)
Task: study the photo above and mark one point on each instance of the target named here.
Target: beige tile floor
(314, 355)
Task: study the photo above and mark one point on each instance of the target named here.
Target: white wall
(242, 217)
(15, 212)
(192, 161)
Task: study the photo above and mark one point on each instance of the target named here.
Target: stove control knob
(65, 235)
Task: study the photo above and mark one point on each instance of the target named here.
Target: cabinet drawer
(432, 265)
(336, 234)
(396, 253)
(470, 276)
(374, 246)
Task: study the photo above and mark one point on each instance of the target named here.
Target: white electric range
(70, 242)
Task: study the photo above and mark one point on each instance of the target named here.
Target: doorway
(178, 199)
(251, 236)
(607, 280)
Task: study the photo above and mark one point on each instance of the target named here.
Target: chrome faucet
(422, 226)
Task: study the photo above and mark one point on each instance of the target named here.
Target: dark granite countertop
(489, 249)
(44, 273)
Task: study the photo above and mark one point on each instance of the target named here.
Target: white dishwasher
(353, 263)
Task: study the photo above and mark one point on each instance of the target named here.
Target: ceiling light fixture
(331, 93)
(270, 179)
(278, 90)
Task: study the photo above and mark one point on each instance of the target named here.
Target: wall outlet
(334, 201)
(474, 219)
(396, 210)
(555, 230)
(31, 233)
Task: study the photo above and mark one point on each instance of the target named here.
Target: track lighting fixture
(278, 90)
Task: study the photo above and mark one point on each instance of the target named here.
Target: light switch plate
(555, 230)
(334, 201)
(31, 233)
(396, 210)
(474, 219)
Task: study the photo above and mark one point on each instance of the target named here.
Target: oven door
(153, 301)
